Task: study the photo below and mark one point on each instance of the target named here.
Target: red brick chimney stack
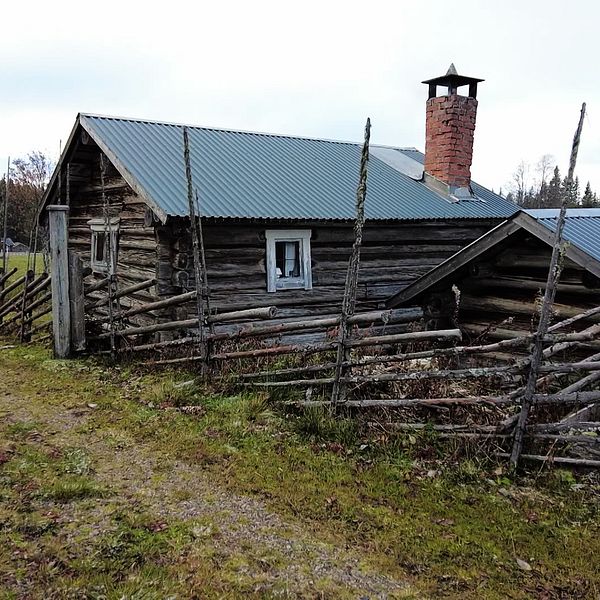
(449, 129)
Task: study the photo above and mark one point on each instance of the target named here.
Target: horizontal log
(38, 314)
(34, 291)
(155, 328)
(473, 373)
(559, 460)
(578, 398)
(10, 288)
(39, 302)
(264, 312)
(174, 361)
(570, 367)
(444, 428)
(583, 315)
(98, 285)
(122, 292)
(41, 327)
(388, 316)
(410, 402)
(511, 307)
(7, 276)
(415, 336)
(375, 360)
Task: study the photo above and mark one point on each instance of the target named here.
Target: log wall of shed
(392, 256)
(501, 293)
(137, 245)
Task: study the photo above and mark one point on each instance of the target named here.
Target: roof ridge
(227, 130)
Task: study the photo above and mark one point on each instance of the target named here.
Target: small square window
(103, 234)
(288, 260)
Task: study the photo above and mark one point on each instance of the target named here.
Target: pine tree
(572, 192)
(589, 199)
(555, 191)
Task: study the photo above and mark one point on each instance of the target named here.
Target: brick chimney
(449, 130)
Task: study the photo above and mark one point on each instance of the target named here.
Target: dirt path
(276, 555)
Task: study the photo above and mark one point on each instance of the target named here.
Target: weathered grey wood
(554, 272)
(126, 291)
(448, 267)
(454, 374)
(42, 300)
(39, 314)
(350, 287)
(5, 217)
(266, 312)
(375, 360)
(76, 300)
(6, 276)
(98, 285)
(61, 314)
(11, 287)
(415, 336)
(30, 283)
(559, 460)
(198, 274)
(42, 282)
(582, 315)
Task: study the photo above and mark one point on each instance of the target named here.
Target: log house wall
(501, 292)
(137, 245)
(392, 256)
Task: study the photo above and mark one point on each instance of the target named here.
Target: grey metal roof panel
(252, 175)
(582, 227)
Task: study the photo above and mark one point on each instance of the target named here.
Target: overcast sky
(307, 68)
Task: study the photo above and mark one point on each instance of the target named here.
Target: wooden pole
(30, 284)
(198, 277)
(5, 219)
(205, 289)
(349, 300)
(546, 311)
(76, 300)
(111, 266)
(61, 313)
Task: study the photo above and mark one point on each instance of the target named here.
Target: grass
(20, 261)
(452, 530)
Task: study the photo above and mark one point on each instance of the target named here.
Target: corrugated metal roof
(582, 227)
(253, 175)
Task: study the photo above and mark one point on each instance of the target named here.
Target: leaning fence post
(61, 313)
(76, 302)
(350, 288)
(554, 273)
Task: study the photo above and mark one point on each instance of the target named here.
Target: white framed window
(103, 234)
(288, 259)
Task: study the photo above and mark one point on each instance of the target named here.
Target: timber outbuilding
(276, 211)
(493, 288)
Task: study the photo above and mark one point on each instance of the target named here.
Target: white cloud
(310, 68)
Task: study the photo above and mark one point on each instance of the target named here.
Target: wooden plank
(61, 313)
(76, 301)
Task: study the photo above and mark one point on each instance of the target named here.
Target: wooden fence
(25, 306)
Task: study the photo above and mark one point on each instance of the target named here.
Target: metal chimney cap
(452, 79)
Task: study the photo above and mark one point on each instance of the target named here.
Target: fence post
(59, 261)
(76, 301)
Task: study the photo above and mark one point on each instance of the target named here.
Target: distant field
(20, 261)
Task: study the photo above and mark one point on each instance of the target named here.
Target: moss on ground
(452, 531)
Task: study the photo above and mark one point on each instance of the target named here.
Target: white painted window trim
(289, 235)
(101, 226)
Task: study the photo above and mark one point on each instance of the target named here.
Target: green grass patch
(453, 529)
(70, 488)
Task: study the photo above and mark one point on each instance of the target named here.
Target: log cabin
(277, 211)
(493, 288)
